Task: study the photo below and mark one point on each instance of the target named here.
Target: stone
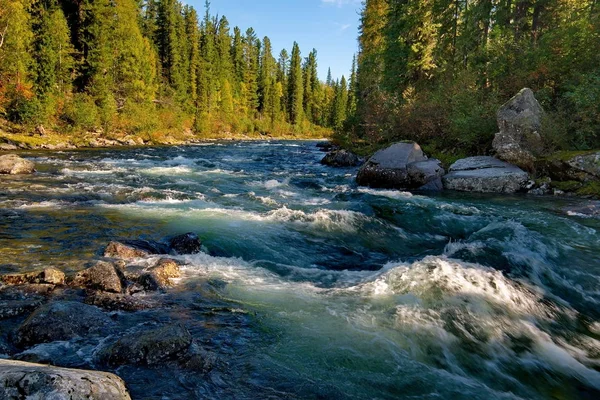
(571, 166)
(401, 166)
(12, 164)
(159, 276)
(589, 209)
(22, 380)
(485, 174)
(8, 147)
(60, 320)
(326, 146)
(120, 250)
(14, 308)
(148, 346)
(426, 175)
(119, 302)
(47, 276)
(520, 122)
(103, 276)
(188, 243)
(340, 158)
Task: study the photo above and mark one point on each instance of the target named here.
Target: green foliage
(437, 70)
(81, 112)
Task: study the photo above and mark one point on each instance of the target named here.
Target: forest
(436, 71)
(141, 66)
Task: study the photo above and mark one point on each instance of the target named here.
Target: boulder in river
(341, 158)
(188, 243)
(12, 164)
(21, 380)
(520, 122)
(147, 347)
(47, 276)
(400, 166)
(485, 174)
(121, 250)
(571, 166)
(103, 276)
(159, 276)
(326, 146)
(60, 320)
(15, 307)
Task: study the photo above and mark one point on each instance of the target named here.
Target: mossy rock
(567, 186)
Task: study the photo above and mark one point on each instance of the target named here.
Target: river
(333, 291)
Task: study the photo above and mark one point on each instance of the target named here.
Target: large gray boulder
(485, 174)
(12, 164)
(400, 166)
(520, 122)
(21, 380)
(147, 347)
(570, 166)
(61, 320)
(340, 158)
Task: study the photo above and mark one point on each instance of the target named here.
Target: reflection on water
(314, 288)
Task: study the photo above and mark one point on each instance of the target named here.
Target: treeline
(138, 66)
(436, 71)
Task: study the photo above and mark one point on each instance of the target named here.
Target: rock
(147, 347)
(60, 320)
(571, 166)
(520, 121)
(120, 250)
(47, 276)
(21, 380)
(103, 276)
(119, 302)
(158, 277)
(485, 174)
(14, 308)
(40, 130)
(341, 158)
(589, 209)
(7, 147)
(426, 175)
(400, 166)
(188, 243)
(326, 146)
(12, 164)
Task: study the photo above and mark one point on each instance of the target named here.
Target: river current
(331, 291)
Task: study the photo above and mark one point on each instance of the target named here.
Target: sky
(330, 26)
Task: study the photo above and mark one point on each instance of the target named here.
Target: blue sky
(330, 26)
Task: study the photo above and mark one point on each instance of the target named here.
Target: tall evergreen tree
(295, 87)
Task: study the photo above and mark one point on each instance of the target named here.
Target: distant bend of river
(352, 293)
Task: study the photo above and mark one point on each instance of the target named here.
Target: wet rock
(400, 166)
(14, 308)
(188, 243)
(119, 302)
(198, 359)
(590, 209)
(159, 276)
(147, 347)
(60, 320)
(42, 289)
(103, 276)
(326, 146)
(47, 276)
(520, 121)
(7, 147)
(485, 174)
(120, 250)
(14, 165)
(21, 380)
(341, 158)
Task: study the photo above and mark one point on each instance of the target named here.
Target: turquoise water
(333, 291)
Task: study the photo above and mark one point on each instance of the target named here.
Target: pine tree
(295, 92)
(251, 63)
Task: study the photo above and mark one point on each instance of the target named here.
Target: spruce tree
(295, 87)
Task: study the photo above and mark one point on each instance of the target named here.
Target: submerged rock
(520, 122)
(188, 243)
(147, 347)
(119, 302)
(341, 158)
(400, 166)
(47, 276)
(60, 320)
(12, 164)
(485, 174)
(103, 276)
(21, 380)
